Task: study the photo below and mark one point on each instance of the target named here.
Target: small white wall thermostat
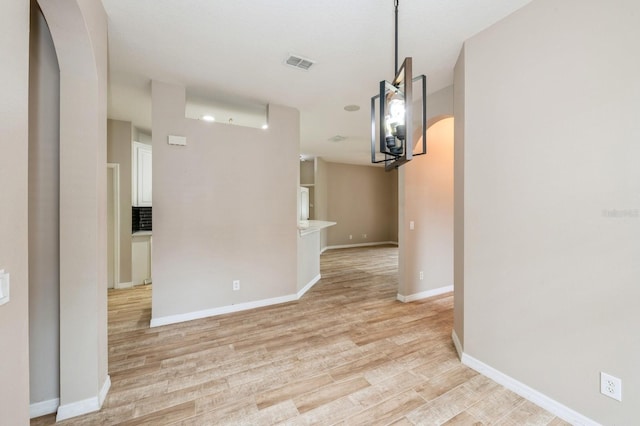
(4, 287)
(177, 140)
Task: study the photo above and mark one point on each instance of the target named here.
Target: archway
(425, 216)
(79, 32)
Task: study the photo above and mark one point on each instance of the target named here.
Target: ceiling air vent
(299, 62)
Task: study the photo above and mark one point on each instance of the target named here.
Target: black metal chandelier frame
(396, 145)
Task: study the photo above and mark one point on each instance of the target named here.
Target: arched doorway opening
(425, 217)
(79, 34)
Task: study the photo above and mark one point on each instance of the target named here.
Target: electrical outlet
(421, 275)
(364, 236)
(610, 386)
(236, 285)
(412, 224)
(351, 237)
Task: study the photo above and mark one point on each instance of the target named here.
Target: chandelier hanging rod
(395, 69)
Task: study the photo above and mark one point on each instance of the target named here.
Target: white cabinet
(141, 258)
(141, 175)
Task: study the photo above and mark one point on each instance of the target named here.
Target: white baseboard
(43, 408)
(308, 286)
(380, 243)
(124, 285)
(85, 406)
(456, 343)
(173, 319)
(105, 390)
(425, 294)
(530, 394)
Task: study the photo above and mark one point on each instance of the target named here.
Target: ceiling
(230, 55)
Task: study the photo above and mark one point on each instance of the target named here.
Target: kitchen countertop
(141, 234)
(308, 226)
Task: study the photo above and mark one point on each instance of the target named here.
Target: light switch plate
(4, 287)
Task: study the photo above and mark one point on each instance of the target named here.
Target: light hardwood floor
(346, 353)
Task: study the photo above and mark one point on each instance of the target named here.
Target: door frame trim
(116, 222)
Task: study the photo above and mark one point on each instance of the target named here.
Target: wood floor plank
(463, 419)
(292, 390)
(494, 406)
(328, 393)
(346, 353)
(526, 413)
(389, 410)
(166, 416)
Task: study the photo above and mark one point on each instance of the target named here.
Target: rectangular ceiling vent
(297, 61)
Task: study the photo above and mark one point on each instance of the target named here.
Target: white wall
(14, 329)
(551, 207)
(224, 208)
(44, 218)
(426, 199)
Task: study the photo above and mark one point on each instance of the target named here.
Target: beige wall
(362, 200)
(141, 136)
(439, 105)
(307, 177)
(413, 204)
(458, 197)
(14, 329)
(552, 230)
(394, 194)
(426, 199)
(79, 31)
(307, 172)
(119, 137)
(44, 218)
(224, 208)
(321, 209)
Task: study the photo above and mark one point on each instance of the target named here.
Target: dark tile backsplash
(141, 218)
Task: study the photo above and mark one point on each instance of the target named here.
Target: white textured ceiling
(233, 51)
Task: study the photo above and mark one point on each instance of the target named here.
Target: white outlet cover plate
(611, 386)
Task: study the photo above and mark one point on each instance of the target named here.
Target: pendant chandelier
(401, 121)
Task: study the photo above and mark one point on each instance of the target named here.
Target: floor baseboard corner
(425, 294)
(104, 390)
(307, 287)
(558, 409)
(206, 313)
(38, 409)
(457, 344)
